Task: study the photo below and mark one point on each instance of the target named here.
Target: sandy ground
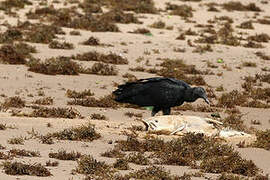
(16, 80)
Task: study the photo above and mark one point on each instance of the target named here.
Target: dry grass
(53, 112)
(102, 69)
(152, 172)
(231, 99)
(8, 4)
(262, 55)
(178, 69)
(263, 37)
(44, 101)
(15, 102)
(192, 148)
(16, 140)
(142, 31)
(92, 41)
(121, 164)
(10, 35)
(132, 114)
(81, 133)
(9, 54)
(52, 163)
(98, 116)
(40, 33)
(249, 64)
(111, 58)
(246, 25)
(64, 155)
(137, 158)
(23, 152)
(60, 45)
(90, 166)
(238, 6)
(118, 16)
(83, 94)
(105, 102)
(263, 140)
(138, 6)
(251, 44)
(180, 10)
(59, 65)
(18, 168)
(158, 25)
(113, 153)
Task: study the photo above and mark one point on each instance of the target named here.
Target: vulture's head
(199, 92)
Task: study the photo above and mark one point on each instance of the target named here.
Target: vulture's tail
(127, 91)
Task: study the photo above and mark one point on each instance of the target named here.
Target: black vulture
(160, 92)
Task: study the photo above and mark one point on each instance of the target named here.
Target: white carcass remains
(179, 125)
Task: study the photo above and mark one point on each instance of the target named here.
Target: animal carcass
(179, 125)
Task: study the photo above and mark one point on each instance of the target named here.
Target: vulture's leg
(155, 111)
(166, 111)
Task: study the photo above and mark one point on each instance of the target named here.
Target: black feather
(162, 93)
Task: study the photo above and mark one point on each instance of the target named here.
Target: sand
(16, 80)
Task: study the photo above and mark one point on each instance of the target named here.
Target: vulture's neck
(189, 96)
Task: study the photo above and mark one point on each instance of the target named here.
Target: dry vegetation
(214, 157)
(18, 168)
(54, 25)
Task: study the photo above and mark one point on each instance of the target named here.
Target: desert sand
(226, 67)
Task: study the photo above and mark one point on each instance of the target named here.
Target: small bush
(263, 140)
(232, 164)
(249, 64)
(23, 152)
(81, 133)
(52, 163)
(75, 33)
(121, 164)
(138, 158)
(16, 140)
(10, 55)
(105, 102)
(246, 25)
(263, 37)
(141, 31)
(113, 153)
(53, 112)
(40, 33)
(251, 44)
(8, 4)
(10, 35)
(238, 6)
(75, 94)
(15, 102)
(90, 166)
(111, 58)
(262, 55)
(118, 16)
(231, 99)
(138, 6)
(44, 101)
(60, 45)
(102, 69)
(53, 66)
(158, 25)
(180, 10)
(18, 168)
(98, 116)
(152, 172)
(63, 155)
(92, 41)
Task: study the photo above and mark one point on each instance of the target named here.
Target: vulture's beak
(206, 99)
